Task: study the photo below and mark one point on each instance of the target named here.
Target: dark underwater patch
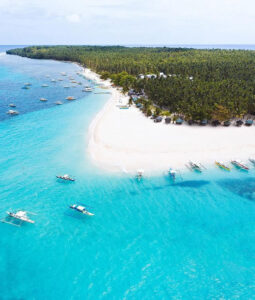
(241, 187)
(192, 183)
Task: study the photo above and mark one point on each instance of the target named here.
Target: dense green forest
(200, 84)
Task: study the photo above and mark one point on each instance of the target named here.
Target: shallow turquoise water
(152, 239)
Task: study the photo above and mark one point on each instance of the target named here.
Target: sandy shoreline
(124, 140)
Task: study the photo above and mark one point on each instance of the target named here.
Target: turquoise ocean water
(194, 239)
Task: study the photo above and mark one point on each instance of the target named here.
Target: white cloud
(127, 21)
(74, 18)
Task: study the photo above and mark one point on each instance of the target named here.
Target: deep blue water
(15, 72)
(152, 239)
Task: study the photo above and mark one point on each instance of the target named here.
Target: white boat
(87, 89)
(19, 215)
(65, 177)
(28, 84)
(195, 166)
(139, 173)
(59, 103)
(12, 112)
(172, 173)
(44, 85)
(43, 99)
(252, 160)
(81, 209)
(12, 105)
(63, 73)
(66, 87)
(53, 80)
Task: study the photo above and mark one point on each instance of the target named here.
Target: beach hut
(167, 120)
(203, 122)
(239, 123)
(248, 122)
(215, 123)
(158, 119)
(179, 121)
(227, 123)
(131, 92)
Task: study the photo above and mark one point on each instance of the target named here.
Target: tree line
(200, 84)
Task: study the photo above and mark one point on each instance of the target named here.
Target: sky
(127, 22)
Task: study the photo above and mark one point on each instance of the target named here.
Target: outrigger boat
(20, 215)
(65, 177)
(195, 166)
(12, 112)
(238, 164)
(81, 209)
(252, 160)
(172, 173)
(87, 89)
(222, 166)
(139, 174)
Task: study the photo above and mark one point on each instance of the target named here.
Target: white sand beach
(124, 140)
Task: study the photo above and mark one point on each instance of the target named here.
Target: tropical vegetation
(195, 84)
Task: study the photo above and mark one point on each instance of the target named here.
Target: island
(156, 89)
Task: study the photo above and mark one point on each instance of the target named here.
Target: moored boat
(240, 165)
(12, 112)
(43, 99)
(222, 166)
(20, 216)
(87, 89)
(172, 173)
(70, 98)
(81, 209)
(65, 177)
(12, 105)
(59, 103)
(139, 173)
(195, 166)
(252, 160)
(44, 85)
